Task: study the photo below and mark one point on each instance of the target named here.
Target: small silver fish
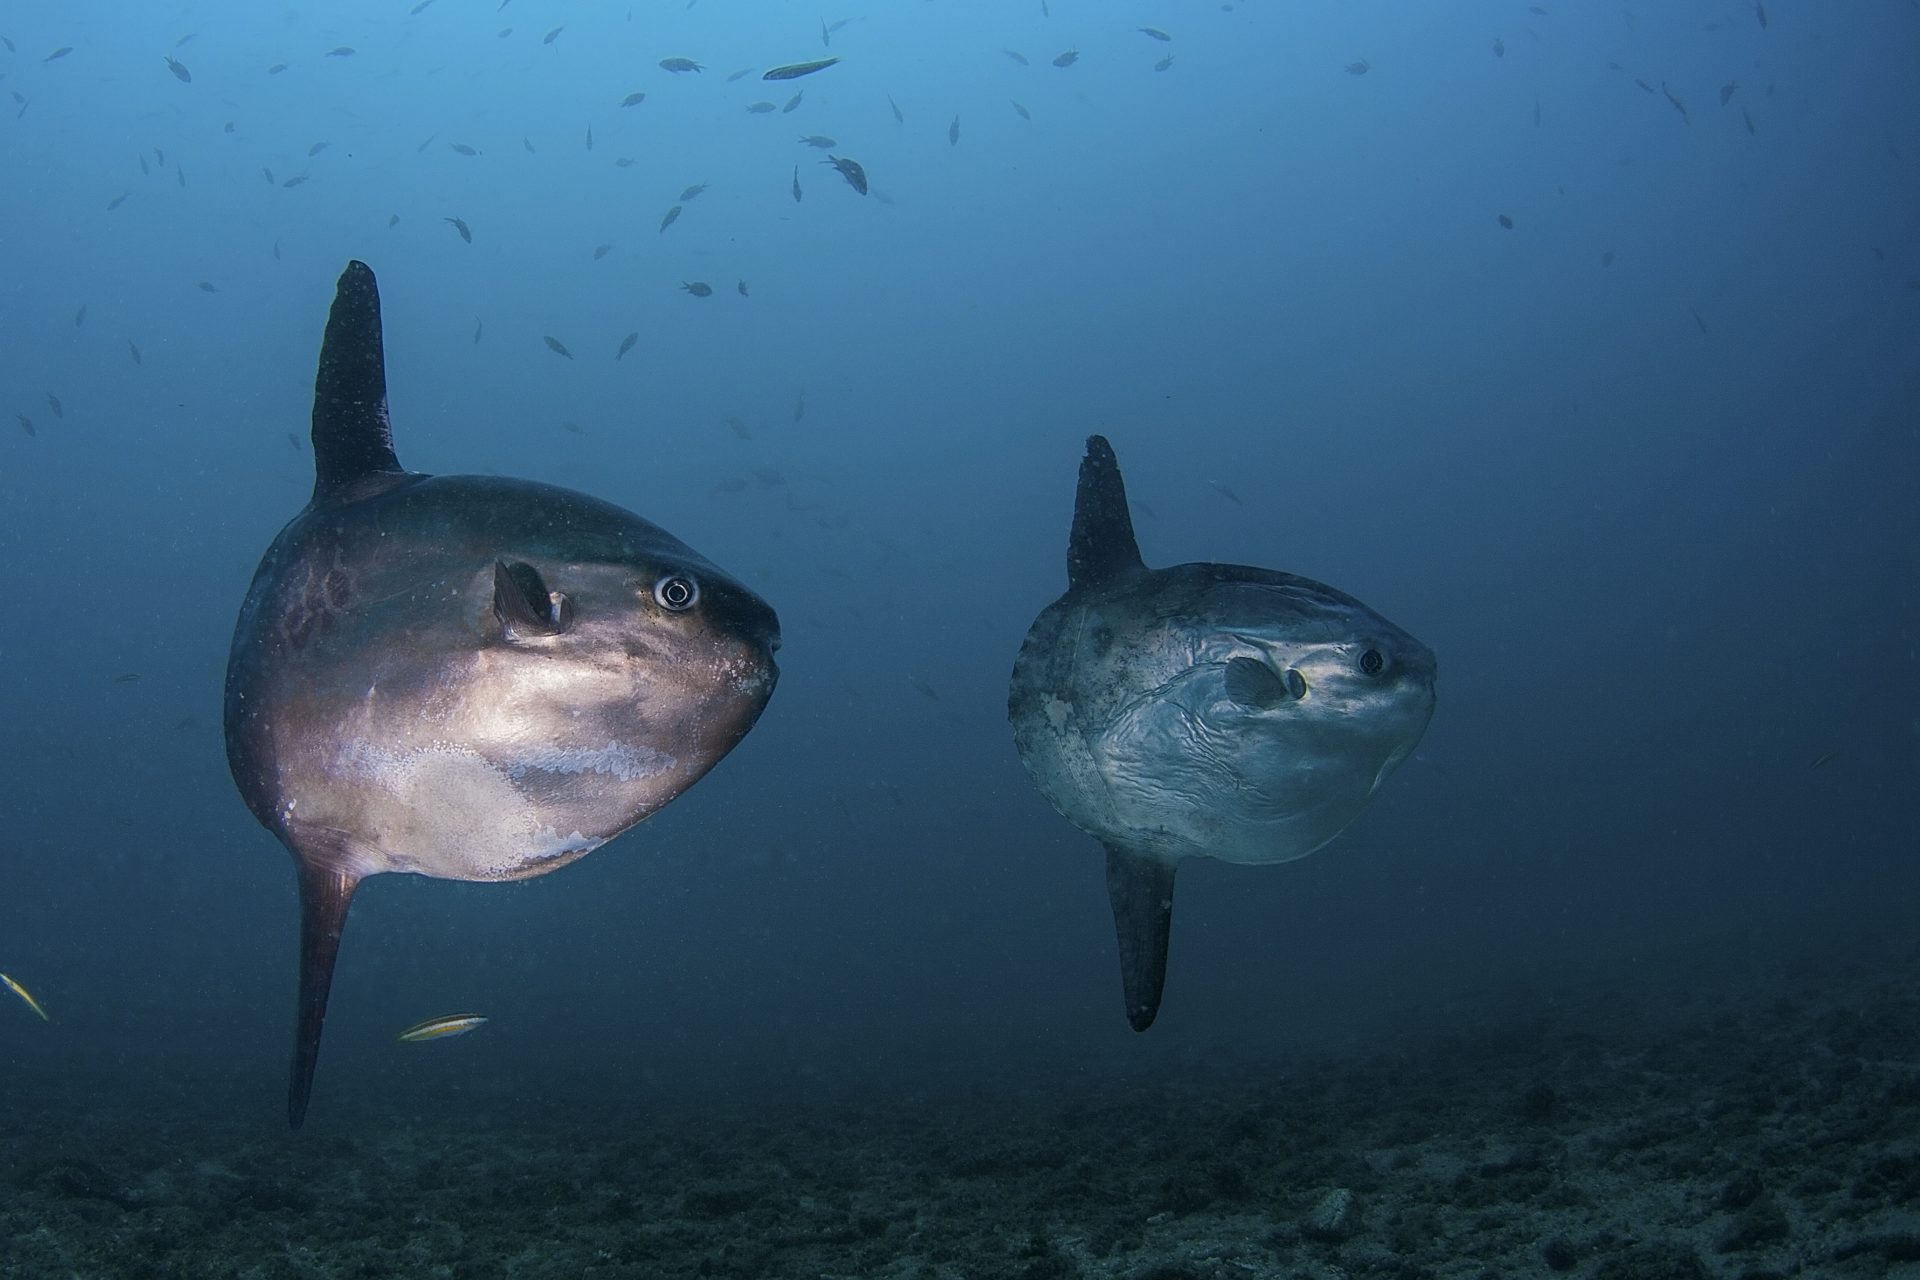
(626, 344)
(692, 191)
(461, 227)
(180, 72)
(794, 70)
(633, 99)
(556, 346)
(673, 216)
(26, 996)
(442, 1028)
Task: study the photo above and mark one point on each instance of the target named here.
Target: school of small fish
(850, 116)
(675, 72)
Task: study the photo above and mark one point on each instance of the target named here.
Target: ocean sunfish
(466, 677)
(1205, 710)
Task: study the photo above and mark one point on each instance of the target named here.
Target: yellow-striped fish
(25, 995)
(453, 1024)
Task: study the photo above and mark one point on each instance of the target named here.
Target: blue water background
(1656, 511)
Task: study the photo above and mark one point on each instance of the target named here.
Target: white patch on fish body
(617, 759)
(447, 811)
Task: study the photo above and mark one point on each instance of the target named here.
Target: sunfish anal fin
(352, 438)
(1142, 893)
(326, 891)
(1102, 545)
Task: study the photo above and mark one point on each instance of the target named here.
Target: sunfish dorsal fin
(352, 438)
(1101, 546)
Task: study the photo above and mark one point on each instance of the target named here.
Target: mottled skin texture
(1207, 710)
(1120, 711)
(380, 716)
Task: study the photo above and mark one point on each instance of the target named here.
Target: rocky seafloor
(1773, 1135)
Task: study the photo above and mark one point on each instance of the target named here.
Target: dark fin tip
(352, 438)
(326, 891)
(1102, 545)
(1141, 889)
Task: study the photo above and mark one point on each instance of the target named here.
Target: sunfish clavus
(466, 677)
(1204, 710)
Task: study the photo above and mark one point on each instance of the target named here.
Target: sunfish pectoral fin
(326, 891)
(1102, 545)
(1253, 683)
(524, 605)
(1141, 888)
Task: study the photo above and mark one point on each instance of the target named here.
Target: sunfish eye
(1371, 663)
(676, 593)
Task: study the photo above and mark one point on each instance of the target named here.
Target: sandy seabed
(1777, 1135)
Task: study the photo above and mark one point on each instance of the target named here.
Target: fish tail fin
(326, 891)
(1142, 892)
